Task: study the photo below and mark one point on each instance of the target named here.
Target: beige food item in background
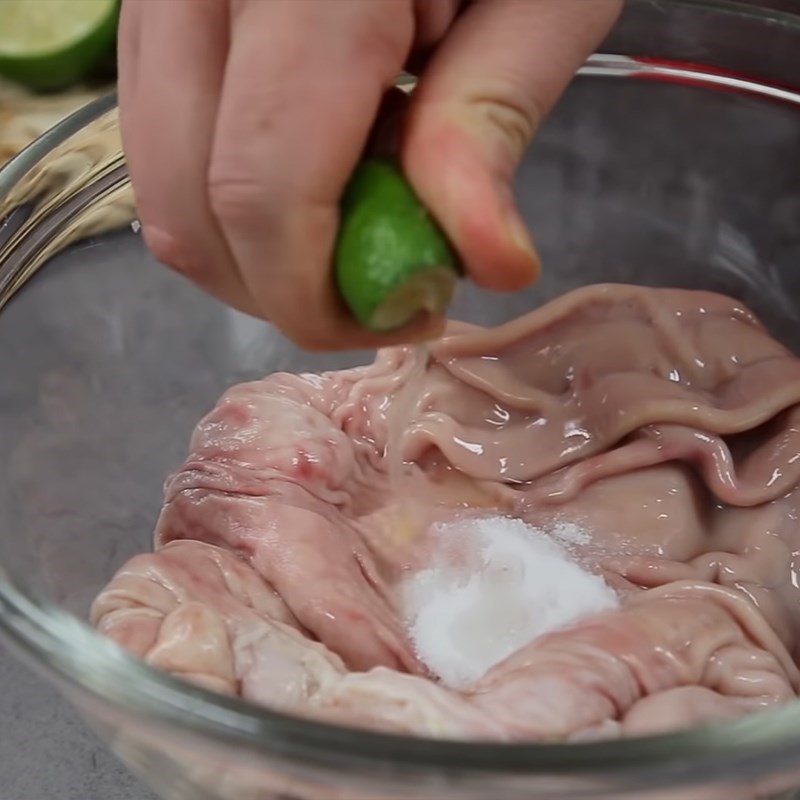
(86, 157)
(25, 116)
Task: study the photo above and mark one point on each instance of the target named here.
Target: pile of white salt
(493, 586)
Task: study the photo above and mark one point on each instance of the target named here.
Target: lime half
(50, 44)
(392, 260)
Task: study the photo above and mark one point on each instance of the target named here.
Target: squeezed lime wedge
(392, 261)
(50, 44)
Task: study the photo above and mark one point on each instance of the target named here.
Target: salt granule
(569, 534)
(494, 585)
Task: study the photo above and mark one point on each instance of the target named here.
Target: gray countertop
(46, 750)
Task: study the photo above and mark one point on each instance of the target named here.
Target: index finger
(302, 85)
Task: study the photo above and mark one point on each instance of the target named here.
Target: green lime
(50, 44)
(392, 260)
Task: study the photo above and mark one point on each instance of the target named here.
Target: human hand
(243, 120)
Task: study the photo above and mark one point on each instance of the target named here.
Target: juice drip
(407, 486)
(401, 412)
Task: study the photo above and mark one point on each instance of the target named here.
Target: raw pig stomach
(664, 424)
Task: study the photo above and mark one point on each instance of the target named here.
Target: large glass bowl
(673, 160)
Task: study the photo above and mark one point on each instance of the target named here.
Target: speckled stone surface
(47, 751)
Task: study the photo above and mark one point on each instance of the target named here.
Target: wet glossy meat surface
(664, 423)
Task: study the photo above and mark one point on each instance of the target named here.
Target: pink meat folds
(663, 424)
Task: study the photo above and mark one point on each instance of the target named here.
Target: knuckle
(517, 119)
(236, 198)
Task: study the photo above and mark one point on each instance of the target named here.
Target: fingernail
(529, 262)
(516, 230)
(519, 235)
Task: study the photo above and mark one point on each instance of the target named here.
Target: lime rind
(392, 260)
(49, 44)
(42, 27)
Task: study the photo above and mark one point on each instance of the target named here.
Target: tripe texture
(653, 434)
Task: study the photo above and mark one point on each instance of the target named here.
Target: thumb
(478, 104)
